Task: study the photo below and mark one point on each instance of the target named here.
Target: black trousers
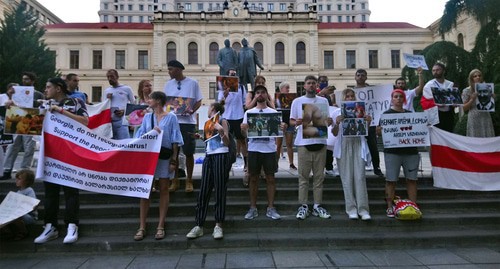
(72, 198)
(371, 139)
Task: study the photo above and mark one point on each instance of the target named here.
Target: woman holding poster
(352, 153)
(395, 158)
(479, 123)
(167, 125)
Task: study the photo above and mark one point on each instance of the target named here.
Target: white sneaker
(49, 233)
(218, 234)
(330, 173)
(353, 216)
(72, 234)
(366, 217)
(302, 212)
(196, 232)
(368, 167)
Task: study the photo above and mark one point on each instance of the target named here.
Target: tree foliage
(23, 49)
(483, 11)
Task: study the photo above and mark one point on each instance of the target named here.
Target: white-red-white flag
(465, 163)
(100, 118)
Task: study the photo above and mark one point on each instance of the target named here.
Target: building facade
(45, 16)
(142, 11)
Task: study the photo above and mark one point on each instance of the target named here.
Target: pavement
(435, 258)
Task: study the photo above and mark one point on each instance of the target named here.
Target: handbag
(165, 153)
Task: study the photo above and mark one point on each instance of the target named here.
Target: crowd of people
(316, 153)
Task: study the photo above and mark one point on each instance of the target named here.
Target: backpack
(231, 146)
(405, 209)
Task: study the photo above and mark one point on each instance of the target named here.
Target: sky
(417, 12)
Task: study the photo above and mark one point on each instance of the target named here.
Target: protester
(251, 99)
(261, 155)
(119, 95)
(446, 113)
(182, 86)
(74, 108)
(400, 83)
(144, 90)
(352, 154)
(311, 153)
(395, 158)
(72, 80)
(360, 77)
(214, 175)
(330, 168)
(284, 87)
(166, 124)
(5, 101)
(479, 123)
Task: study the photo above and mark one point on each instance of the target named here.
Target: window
(105, 5)
(329, 18)
(350, 59)
(339, 18)
(346, 7)
(363, 6)
(306, 7)
(347, 19)
(122, 7)
(105, 18)
(141, 7)
(212, 54)
(320, 18)
(373, 58)
(363, 18)
(328, 7)
(460, 40)
(96, 94)
(130, 18)
(395, 59)
(259, 49)
(200, 6)
(192, 53)
(171, 51)
(212, 91)
(122, 19)
(74, 59)
(187, 7)
(300, 88)
(150, 8)
(143, 60)
(301, 53)
(97, 59)
(339, 7)
(320, 8)
(270, 7)
(328, 58)
(130, 7)
(120, 59)
(279, 53)
(141, 19)
(282, 7)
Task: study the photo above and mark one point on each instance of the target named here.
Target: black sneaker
(378, 172)
(181, 173)
(6, 176)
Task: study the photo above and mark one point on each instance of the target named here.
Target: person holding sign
(215, 172)
(74, 108)
(395, 158)
(479, 123)
(352, 153)
(446, 114)
(400, 83)
(166, 124)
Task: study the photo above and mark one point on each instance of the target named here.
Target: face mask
(323, 85)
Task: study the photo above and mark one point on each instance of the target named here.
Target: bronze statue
(248, 59)
(227, 59)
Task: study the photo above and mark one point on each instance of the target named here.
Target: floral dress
(479, 123)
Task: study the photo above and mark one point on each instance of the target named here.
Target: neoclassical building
(290, 44)
(44, 15)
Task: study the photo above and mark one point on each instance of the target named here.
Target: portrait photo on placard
(485, 102)
(447, 97)
(264, 125)
(314, 121)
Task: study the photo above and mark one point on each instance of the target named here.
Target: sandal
(139, 235)
(160, 233)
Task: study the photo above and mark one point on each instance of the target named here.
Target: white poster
(23, 96)
(402, 130)
(377, 100)
(415, 61)
(14, 206)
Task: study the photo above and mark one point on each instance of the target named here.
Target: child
(17, 229)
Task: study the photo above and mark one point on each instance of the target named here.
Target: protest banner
(23, 96)
(14, 206)
(377, 100)
(100, 118)
(262, 125)
(73, 155)
(485, 101)
(228, 83)
(415, 61)
(465, 163)
(402, 130)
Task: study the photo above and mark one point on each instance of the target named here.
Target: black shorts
(235, 128)
(187, 131)
(258, 161)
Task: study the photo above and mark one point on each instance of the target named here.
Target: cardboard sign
(401, 130)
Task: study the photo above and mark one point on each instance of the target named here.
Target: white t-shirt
(410, 94)
(330, 141)
(189, 88)
(262, 145)
(296, 113)
(433, 83)
(233, 107)
(122, 95)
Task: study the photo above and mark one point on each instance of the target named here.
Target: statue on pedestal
(248, 59)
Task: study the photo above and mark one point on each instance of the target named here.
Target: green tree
(23, 49)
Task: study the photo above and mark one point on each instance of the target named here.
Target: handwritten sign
(23, 96)
(401, 130)
(415, 61)
(377, 100)
(14, 206)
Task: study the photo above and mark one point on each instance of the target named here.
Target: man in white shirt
(400, 83)
(446, 113)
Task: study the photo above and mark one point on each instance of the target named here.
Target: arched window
(236, 46)
(301, 53)
(193, 53)
(279, 53)
(171, 51)
(259, 49)
(460, 40)
(213, 51)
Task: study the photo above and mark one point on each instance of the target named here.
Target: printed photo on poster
(447, 97)
(283, 101)
(135, 114)
(227, 83)
(5, 139)
(209, 128)
(314, 121)
(264, 125)
(179, 105)
(485, 102)
(23, 96)
(354, 127)
(353, 109)
(23, 121)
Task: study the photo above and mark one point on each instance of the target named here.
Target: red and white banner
(100, 118)
(73, 155)
(465, 163)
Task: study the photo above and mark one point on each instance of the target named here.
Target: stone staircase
(108, 223)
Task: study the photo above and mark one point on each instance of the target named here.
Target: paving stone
(454, 266)
(345, 258)
(107, 262)
(250, 260)
(478, 255)
(297, 259)
(65, 262)
(202, 260)
(436, 256)
(153, 262)
(18, 262)
(390, 258)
